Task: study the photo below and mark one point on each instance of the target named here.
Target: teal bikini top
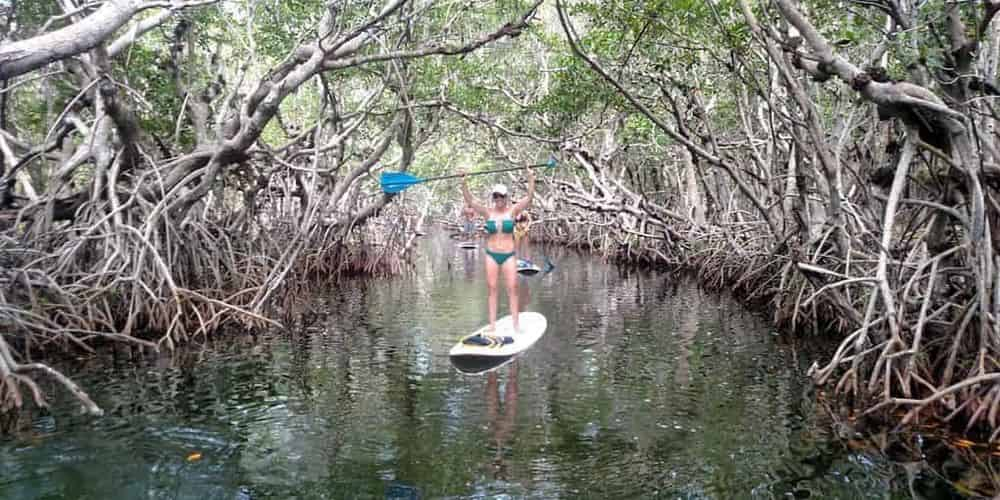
(507, 225)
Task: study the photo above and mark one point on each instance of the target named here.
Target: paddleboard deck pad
(505, 342)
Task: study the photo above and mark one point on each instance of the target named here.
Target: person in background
(469, 214)
(521, 234)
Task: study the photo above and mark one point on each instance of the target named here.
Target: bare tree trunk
(20, 57)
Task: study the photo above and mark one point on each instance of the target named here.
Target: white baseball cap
(500, 189)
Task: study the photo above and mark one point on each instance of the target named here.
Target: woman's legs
(510, 275)
(492, 272)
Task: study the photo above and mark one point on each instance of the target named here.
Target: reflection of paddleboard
(526, 267)
(476, 365)
(468, 245)
(504, 342)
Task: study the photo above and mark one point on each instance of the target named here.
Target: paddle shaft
(509, 169)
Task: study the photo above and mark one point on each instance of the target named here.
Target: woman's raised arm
(470, 200)
(526, 201)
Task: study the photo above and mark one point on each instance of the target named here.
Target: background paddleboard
(526, 267)
(532, 328)
(468, 245)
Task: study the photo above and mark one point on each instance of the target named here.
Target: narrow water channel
(643, 386)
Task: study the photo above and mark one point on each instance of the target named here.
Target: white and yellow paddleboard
(532, 328)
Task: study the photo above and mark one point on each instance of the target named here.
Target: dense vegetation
(172, 167)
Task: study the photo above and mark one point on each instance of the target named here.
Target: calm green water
(642, 387)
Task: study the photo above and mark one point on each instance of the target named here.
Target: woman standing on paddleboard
(500, 242)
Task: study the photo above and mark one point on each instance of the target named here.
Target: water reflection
(642, 387)
(476, 365)
(469, 261)
(502, 416)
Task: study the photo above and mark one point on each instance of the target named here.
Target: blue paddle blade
(394, 182)
(551, 163)
(549, 266)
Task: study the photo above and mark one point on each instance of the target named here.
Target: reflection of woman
(500, 242)
(469, 259)
(503, 423)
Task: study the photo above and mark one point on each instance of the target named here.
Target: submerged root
(14, 377)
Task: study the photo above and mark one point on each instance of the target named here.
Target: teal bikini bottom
(499, 257)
